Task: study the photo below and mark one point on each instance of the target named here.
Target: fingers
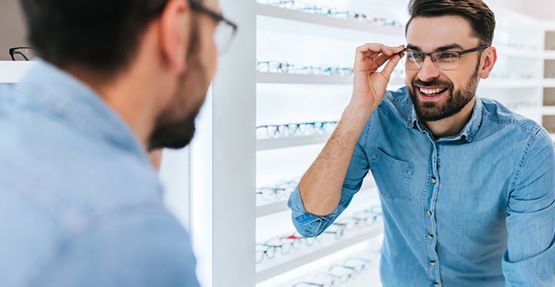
(376, 48)
(372, 56)
(381, 59)
(390, 66)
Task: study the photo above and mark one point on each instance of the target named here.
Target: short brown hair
(476, 12)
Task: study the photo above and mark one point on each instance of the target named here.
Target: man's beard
(456, 101)
(175, 126)
(175, 135)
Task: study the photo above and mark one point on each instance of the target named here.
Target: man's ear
(175, 31)
(489, 57)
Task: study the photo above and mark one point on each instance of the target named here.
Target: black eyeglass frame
(13, 51)
(199, 7)
(459, 53)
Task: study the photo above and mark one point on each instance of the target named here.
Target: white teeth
(430, 91)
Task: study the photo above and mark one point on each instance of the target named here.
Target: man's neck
(121, 94)
(454, 124)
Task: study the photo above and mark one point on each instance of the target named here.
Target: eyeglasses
(21, 53)
(359, 220)
(283, 245)
(347, 15)
(283, 67)
(337, 274)
(295, 129)
(443, 60)
(279, 191)
(348, 269)
(330, 282)
(225, 29)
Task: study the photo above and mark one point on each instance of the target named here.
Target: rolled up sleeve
(310, 225)
(530, 256)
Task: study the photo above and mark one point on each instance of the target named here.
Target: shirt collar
(49, 90)
(467, 133)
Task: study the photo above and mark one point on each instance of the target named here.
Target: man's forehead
(433, 33)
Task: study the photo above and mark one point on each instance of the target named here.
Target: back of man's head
(99, 35)
(476, 12)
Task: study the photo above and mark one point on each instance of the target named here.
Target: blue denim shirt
(475, 209)
(80, 204)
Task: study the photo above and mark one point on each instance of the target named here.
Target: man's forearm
(321, 185)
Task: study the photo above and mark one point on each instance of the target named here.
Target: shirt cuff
(308, 225)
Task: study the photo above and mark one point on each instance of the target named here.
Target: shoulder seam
(532, 130)
(523, 158)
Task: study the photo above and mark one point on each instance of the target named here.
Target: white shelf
(303, 17)
(549, 55)
(517, 52)
(510, 83)
(548, 111)
(293, 141)
(549, 83)
(288, 78)
(295, 262)
(271, 208)
(12, 71)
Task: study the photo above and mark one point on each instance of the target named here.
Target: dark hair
(476, 12)
(101, 35)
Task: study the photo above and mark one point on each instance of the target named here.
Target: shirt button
(437, 284)
(432, 263)
(434, 180)
(430, 236)
(430, 213)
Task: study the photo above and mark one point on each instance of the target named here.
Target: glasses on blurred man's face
(21, 53)
(443, 60)
(225, 29)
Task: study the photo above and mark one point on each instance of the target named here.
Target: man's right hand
(369, 84)
(321, 186)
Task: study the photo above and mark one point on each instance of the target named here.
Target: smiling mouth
(431, 92)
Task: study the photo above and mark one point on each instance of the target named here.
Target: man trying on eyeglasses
(467, 187)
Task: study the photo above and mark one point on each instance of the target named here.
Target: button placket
(433, 265)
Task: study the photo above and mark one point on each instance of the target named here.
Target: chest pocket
(393, 176)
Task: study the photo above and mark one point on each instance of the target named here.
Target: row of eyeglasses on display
(337, 274)
(277, 192)
(324, 70)
(295, 129)
(285, 247)
(306, 7)
(284, 67)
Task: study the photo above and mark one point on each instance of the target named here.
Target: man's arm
(328, 185)
(320, 187)
(530, 256)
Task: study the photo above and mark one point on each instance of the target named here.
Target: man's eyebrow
(442, 48)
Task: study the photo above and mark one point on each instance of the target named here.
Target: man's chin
(174, 136)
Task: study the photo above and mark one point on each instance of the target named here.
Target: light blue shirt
(80, 204)
(475, 209)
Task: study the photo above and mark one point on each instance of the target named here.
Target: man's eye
(418, 56)
(448, 55)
